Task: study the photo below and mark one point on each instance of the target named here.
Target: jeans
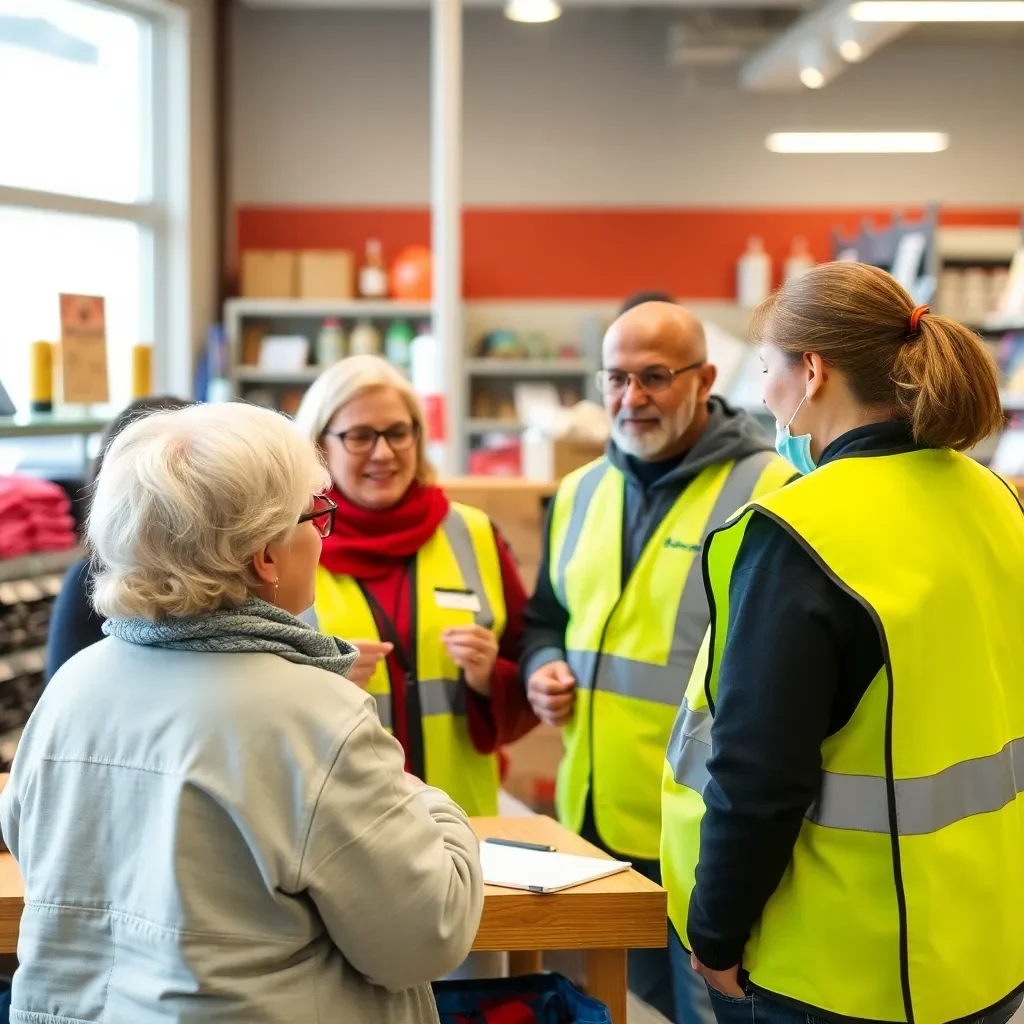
(693, 1004)
(757, 1010)
(677, 994)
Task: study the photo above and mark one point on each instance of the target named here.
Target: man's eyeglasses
(321, 515)
(400, 437)
(651, 379)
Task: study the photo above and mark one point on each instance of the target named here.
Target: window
(93, 179)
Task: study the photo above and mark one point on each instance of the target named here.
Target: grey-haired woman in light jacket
(211, 822)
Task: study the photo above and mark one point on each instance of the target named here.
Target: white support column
(446, 218)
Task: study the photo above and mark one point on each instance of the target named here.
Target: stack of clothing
(35, 515)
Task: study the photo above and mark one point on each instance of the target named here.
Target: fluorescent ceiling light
(532, 11)
(938, 10)
(857, 142)
(812, 77)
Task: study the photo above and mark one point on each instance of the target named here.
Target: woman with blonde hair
(426, 589)
(211, 823)
(853, 847)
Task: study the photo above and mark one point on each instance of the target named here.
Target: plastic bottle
(364, 339)
(398, 345)
(373, 276)
(330, 343)
(799, 260)
(753, 275)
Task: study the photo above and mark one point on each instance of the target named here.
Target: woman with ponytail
(843, 805)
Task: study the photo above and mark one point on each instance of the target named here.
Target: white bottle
(330, 343)
(799, 260)
(373, 275)
(364, 340)
(753, 275)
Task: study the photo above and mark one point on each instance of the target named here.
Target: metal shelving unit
(497, 367)
(300, 316)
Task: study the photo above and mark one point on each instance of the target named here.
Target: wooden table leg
(523, 961)
(606, 980)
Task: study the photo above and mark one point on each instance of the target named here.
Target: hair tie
(915, 320)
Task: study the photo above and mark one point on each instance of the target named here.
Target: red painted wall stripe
(513, 253)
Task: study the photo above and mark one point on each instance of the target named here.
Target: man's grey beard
(648, 445)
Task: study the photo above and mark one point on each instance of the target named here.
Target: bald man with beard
(619, 614)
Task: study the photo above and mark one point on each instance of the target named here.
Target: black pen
(540, 848)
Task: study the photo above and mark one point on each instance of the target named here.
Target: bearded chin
(640, 446)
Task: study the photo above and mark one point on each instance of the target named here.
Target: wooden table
(603, 918)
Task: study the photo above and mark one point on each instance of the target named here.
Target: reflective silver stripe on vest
(923, 805)
(659, 684)
(689, 748)
(693, 617)
(662, 684)
(457, 534)
(441, 697)
(585, 491)
(383, 702)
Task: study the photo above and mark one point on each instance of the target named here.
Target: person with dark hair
(843, 799)
(639, 298)
(74, 623)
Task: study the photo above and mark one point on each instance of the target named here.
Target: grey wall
(332, 108)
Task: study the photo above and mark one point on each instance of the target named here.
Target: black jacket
(799, 656)
(652, 488)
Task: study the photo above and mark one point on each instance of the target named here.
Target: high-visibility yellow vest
(631, 647)
(462, 556)
(905, 894)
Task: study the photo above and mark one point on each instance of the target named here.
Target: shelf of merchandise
(308, 313)
(477, 427)
(498, 367)
(51, 424)
(30, 567)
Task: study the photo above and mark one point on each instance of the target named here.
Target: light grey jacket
(228, 838)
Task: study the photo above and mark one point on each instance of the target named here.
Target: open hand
(370, 653)
(475, 650)
(551, 691)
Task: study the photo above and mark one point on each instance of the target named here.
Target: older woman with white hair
(426, 589)
(211, 822)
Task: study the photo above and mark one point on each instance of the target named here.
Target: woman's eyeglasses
(321, 515)
(651, 379)
(400, 437)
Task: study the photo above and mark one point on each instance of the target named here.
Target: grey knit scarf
(255, 627)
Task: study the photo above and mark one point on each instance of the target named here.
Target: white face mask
(795, 450)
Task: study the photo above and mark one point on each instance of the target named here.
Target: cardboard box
(326, 275)
(548, 459)
(516, 507)
(531, 767)
(268, 274)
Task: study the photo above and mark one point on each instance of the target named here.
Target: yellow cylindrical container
(41, 377)
(142, 371)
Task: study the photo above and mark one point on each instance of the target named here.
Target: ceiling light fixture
(857, 142)
(850, 50)
(938, 10)
(812, 77)
(532, 11)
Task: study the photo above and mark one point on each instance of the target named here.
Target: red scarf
(369, 543)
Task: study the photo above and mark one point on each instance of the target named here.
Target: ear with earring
(273, 597)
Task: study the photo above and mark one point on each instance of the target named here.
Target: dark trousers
(650, 971)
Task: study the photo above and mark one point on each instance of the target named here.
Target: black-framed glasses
(321, 515)
(651, 379)
(400, 437)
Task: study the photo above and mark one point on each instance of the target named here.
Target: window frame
(163, 218)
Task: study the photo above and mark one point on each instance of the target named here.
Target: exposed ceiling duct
(817, 48)
(723, 38)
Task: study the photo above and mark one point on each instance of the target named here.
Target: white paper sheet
(514, 868)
